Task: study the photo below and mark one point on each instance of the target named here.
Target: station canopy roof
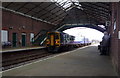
(56, 11)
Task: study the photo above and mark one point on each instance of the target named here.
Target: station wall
(15, 23)
(119, 35)
(114, 32)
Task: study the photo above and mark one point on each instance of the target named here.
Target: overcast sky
(79, 32)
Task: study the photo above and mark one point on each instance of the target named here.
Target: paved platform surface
(80, 62)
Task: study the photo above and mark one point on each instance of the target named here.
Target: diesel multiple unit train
(58, 40)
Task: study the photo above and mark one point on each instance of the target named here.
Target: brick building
(20, 29)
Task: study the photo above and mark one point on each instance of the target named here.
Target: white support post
(118, 34)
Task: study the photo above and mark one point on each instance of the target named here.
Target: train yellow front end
(53, 41)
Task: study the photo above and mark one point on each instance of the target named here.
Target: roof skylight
(67, 3)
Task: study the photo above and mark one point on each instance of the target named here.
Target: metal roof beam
(58, 21)
(41, 10)
(98, 7)
(107, 4)
(49, 16)
(55, 13)
(98, 16)
(22, 6)
(49, 11)
(33, 8)
(95, 9)
(9, 4)
(57, 16)
(95, 16)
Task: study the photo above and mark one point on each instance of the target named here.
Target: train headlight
(57, 42)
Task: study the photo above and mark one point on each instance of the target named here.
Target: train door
(52, 39)
(23, 39)
(14, 39)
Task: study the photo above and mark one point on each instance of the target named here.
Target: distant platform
(21, 49)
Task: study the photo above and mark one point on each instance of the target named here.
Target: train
(58, 40)
(55, 40)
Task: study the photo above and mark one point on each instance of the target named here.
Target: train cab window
(57, 36)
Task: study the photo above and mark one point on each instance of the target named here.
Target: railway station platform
(84, 61)
(21, 49)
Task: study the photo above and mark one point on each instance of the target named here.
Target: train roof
(60, 32)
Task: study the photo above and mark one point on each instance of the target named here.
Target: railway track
(14, 59)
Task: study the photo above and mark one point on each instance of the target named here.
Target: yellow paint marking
(52, 40)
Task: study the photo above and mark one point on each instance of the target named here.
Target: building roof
(58, 11)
